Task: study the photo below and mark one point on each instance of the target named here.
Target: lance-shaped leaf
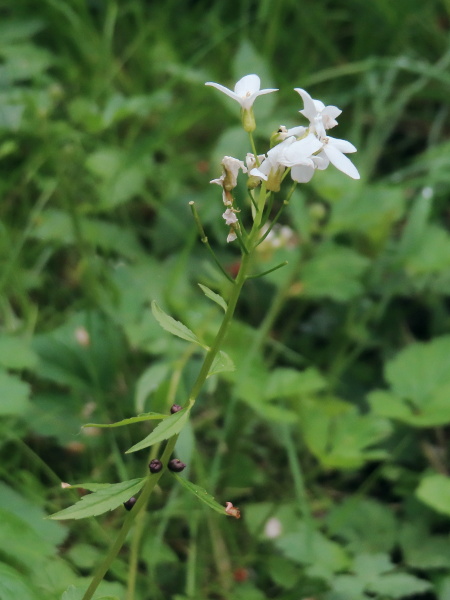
(144, 417)
(175, 327)
(214, 297)
(171, 426)
(201, 494)
(101, 501)
(221, 363)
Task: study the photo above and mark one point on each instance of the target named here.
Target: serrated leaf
(213, 296)
(101, 501)
(171, 426)
(174, 327)
(398, 585)
(201, 494)
(144, 417)
(221, 363)
(92, 487)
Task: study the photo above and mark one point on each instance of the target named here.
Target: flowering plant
(298, 151)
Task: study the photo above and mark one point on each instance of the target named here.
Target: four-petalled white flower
(245, 92)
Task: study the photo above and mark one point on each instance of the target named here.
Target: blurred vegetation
(332, 436)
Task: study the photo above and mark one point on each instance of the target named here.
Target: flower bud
(175, 408)
(248, 120)
(176, 465)
(130, 503)
(155, 466)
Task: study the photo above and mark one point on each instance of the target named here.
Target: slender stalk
(201, 378)
(114, 550)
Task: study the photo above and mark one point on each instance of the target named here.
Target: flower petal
(300, 151)
(302, 173)
(310, 110)
(340, 161)
(341, 145)
(225, 90)
(247, 85)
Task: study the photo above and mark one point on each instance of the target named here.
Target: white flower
(230, 217)
(320, 116)
(231, 237)
(245, 92)
(299, 156)
(271, 169)
(335, 151)
(231, 167)
(250, 160)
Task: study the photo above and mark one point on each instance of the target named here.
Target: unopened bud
(248, 120)
(155, 466)
(130, 503)
(176, 465)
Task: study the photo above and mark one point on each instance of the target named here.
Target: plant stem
(201, 378)
(114, 550)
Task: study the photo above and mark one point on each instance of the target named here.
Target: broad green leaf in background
(201, 494)
(101, 501)
(434, 491)
(339, 436)
(148, 382)
(290, 382)
(16, 353)
(12, 585)
(334, 272)
(171, 426)
(174, 327)
(14, 394)
(419, 378)
(77, 593)
(420, 550)
(213, 296)
(365, 524)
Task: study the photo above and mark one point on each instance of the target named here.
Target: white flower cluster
(302, 149)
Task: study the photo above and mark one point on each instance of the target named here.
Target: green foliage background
(332, 434)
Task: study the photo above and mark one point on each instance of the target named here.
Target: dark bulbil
(155, 466)
(130, 503)
(175, 408)
(176, 465)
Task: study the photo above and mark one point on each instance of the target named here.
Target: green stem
(201, 378)
(114, 550)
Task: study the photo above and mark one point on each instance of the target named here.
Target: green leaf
(289, 382)
(12, 584)
(420, 385)
(214, 297)
(14, 395)
(144, 417)
(174, 327)
(101, 501)
(398, 585)
(16, 353)
(171, 426)
(148, 382)
(434, 491)
(334, 272)
(201, 494)
(221, 363)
